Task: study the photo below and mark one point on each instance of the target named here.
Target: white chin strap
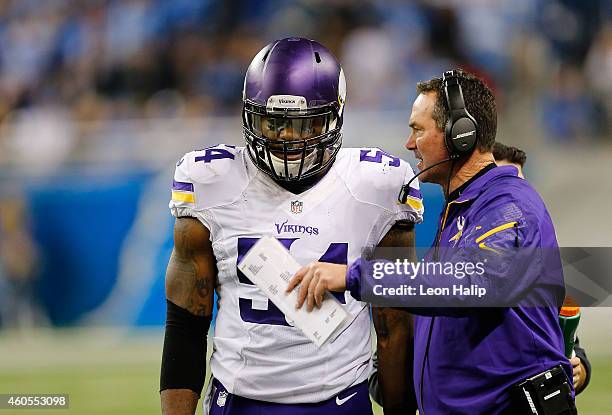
(293, 166)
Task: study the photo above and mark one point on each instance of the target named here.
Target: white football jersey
(257, 353)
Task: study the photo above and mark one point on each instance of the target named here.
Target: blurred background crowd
(98, 97)
(97, 60)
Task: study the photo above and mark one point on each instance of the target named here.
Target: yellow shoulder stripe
(183, 197)
(495, 230)
(416, 204)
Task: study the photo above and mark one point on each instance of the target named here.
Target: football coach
(497, 352)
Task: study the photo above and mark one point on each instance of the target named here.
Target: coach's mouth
(420, 159)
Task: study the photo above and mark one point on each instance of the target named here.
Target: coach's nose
(411, 142)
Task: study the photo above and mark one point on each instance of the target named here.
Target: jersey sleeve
(413, 209)
(205, 179)
(393, 210)
(376, 177)
(183, 196)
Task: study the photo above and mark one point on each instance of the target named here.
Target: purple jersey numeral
(215, 153)
(337, 253)
(377, 157)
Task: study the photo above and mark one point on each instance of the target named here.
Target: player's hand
(579, 372)
(315, 279)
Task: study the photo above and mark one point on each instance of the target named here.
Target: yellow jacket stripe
(495, 230)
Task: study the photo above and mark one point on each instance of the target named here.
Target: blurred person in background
(568, 109)
(18, 266)
(107, 60)
(598, 70)
(572, 109)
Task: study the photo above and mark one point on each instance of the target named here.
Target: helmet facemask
(292, 144)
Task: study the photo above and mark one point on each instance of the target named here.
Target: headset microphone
(403, 195)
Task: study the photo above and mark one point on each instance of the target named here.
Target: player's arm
(190, 280)
(395, 338)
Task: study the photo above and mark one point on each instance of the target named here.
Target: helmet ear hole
(317, 57)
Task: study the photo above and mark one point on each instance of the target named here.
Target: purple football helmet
(293, 96)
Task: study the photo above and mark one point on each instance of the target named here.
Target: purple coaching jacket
(480, 347)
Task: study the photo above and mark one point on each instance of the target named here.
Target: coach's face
(426, 140)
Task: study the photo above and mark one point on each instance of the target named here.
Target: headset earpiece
(461, 128)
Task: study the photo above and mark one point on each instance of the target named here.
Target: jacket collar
(477, 184)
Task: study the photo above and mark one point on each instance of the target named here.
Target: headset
(461, 128)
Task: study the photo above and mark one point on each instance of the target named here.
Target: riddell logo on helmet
(286, 101)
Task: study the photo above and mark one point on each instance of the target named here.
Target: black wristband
(184, 356)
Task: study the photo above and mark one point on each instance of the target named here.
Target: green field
(113, 372)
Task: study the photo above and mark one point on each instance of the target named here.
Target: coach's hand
(315, 279)
(579, 373)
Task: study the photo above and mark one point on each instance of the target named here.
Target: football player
(292, 181)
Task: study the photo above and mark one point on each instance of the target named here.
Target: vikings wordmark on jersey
(257, 353)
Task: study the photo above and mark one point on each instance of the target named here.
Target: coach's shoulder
(512, 202)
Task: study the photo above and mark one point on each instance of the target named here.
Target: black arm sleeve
(184, 356)
(581, 353)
